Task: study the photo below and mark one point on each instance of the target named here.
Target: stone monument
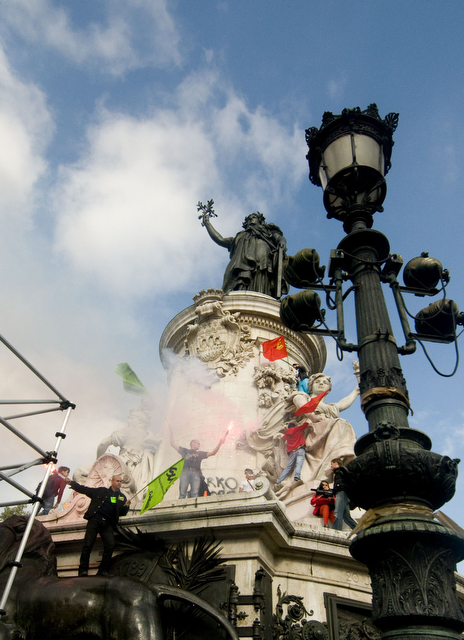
(286, 576)
(243, 392)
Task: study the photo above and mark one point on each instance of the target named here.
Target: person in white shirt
(248, 484)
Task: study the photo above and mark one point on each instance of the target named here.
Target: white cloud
(122, 42)
(336, 87)
(25, 129)
(451, 171)
(126, 211)
(126, 221)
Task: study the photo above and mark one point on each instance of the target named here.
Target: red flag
(275, 349)
(310, 406)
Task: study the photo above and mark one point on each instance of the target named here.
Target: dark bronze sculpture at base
(41, 605)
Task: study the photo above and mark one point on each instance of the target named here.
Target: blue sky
(117, 116)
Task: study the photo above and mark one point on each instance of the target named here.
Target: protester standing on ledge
(191, 473)
(106, 507)
(342, 508)
(55, 487)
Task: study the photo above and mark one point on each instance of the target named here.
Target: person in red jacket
(54, 489)
(294, 437)
(324, 503)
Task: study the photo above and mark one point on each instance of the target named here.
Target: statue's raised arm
(207, 212)
(256, 254)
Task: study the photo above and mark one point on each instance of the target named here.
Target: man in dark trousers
(191, 473)
(342, 502)
(106, 506)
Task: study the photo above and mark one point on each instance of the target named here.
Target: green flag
(159, 486)
(131, 382)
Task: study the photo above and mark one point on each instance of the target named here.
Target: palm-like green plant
(193, 573)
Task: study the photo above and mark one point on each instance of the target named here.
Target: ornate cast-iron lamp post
(395, 476)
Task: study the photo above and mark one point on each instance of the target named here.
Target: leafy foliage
(196, 572)
(193, 573)
(130, 541)
(207, 211)
(19, 510)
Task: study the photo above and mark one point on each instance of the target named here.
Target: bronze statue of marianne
(256, 254)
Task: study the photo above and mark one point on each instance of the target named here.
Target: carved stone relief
(274, 385)
(217, 338)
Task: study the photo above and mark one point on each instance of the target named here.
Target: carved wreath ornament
(217, 338)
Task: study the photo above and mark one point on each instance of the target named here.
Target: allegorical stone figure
(137, 447)
(256, 254)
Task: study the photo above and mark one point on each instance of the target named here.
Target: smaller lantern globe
(349, 157)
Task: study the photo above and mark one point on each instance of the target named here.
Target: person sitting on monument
(302, 378)
(191, 473)
(294, 436)
(106, 507)
(323, 503)
(248, 484)
(54, 488)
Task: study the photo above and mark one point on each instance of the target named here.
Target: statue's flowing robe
(331, 437)
(254, 260)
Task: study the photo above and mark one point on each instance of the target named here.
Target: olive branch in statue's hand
(207, 211)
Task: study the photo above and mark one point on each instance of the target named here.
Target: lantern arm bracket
(336, 335)
(338, 277)
(420, 293)
(410, 346)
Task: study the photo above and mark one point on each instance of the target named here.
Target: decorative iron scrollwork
(292, 625)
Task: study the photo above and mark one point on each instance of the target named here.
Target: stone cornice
(225, 516)
(256, 310)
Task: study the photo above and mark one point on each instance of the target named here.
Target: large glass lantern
(349, 157)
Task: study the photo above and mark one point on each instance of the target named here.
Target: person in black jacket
(106, 506)
(342, 502)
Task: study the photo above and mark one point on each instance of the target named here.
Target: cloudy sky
(117, 117)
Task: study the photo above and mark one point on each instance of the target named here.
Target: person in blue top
(302, 378)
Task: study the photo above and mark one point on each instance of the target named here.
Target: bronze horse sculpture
(42, 606)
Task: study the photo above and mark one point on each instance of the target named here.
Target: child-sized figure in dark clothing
(294, 437)
(324, 503)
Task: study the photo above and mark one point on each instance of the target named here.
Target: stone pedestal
(220, 381)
